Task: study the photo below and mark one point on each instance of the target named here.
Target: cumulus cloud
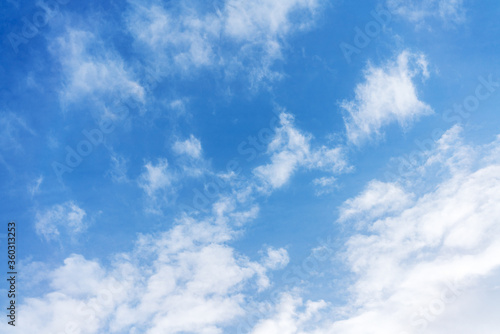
(187, 279)
(290, 149)
(67, 217)
(419, 11)
(388, 94)
(159, 183)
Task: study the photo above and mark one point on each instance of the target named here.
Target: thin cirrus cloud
(91, 70)
(420, 11)
(388, 94)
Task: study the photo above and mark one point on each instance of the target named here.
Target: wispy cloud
(420, 11)
(67, 218)
(290, 149)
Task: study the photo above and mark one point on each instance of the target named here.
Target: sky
(260, 167)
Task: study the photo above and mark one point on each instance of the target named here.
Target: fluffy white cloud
(187, 279)
(190, 147)
(324, 185)
(156, 177)
(419, 11)
(388, 94)
(67, 217)
(288, 319)
(290, 149)
(34, 187)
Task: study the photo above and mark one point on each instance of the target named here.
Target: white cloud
(324, 185)
(377, 199)
(290, 150)
(190, 147)
(187, 279)
(67, 217)
(186, 38)
(387, 95)
(34, 188)
(155, 177)
(420, 11)
(423, 264)
(93, 71)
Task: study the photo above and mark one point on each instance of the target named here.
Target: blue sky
(293, 166)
